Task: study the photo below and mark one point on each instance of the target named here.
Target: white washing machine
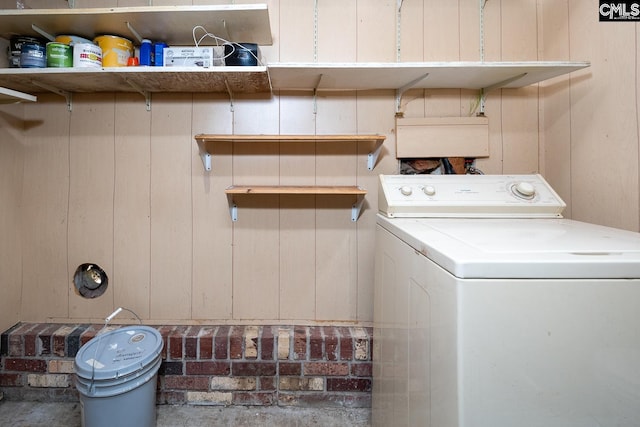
(493, 311)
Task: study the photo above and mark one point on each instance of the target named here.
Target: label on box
(188, 57)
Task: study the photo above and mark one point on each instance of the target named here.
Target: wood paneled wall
(115, 184)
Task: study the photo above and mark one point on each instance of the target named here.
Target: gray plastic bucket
(116, 376)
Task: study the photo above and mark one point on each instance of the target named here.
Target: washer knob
(406, 190)
(429, 190)
(525, 189)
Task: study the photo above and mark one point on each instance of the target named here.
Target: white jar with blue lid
(116, 376)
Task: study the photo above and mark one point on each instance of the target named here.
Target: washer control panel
(520, 196)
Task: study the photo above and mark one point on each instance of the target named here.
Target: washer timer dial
(523, 190)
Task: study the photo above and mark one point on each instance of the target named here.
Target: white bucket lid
(118, 353)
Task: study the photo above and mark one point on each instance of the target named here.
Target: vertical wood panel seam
(635, 63)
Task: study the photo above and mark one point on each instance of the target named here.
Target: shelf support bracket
(503, 83)
(400, 91)
(134, 32)
(42, 32)
(315, 94)
(233, 208)
(145, 93)
(372, 158)
(204, 155)
(67, 95)
(230, 92)
(484, 90)
(356, 208)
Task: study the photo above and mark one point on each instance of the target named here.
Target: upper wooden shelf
(134, 79)
(419, 75)
(206, 143)
(295, 189)
(286, 138)
(242, 23)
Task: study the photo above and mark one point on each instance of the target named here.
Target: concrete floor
(38, 414)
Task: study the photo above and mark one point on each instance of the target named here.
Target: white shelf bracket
(204, 155)
(42, 32)
(372, 158)
(145, 93)
(400, 91)
(230, 92)
(206, 161)
(315, 94)
(503, 83)
(233, 208)
(356, 208)
(134, 32)
(67, 95)
(484, 90)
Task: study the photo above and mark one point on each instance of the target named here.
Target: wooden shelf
(419, 75)
(237, 190)
(136, 79)
(207, 141)
(9, 96)
(295, 189)
(242, 23)
(287, 138)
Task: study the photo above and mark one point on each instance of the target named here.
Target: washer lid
(118, 353)
(521, 248)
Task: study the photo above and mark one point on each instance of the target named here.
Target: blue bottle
(146, 52)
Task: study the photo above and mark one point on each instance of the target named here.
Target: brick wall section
(306, 366)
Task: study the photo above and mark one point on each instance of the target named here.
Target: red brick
(165, 331)
(331, 338)
(221, 343)
(175, 340)
(180, 382)
(315, 344)
(89, 333)
(253, 398)
(290, 368)
(267, 343)
(267, 383)
(25, 365)
(16, 340)
(235, 342)
(348, 384)
(346, 344)
(31, 339)
(326, 368)
(362, 369)
(205, 338)
(11, 380)
(245, 369)
(208, 368)
(191, 342)
(300, 343)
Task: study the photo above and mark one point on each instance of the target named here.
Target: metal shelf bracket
(145, 93)
(233, 208)
(400, 91)
(372, 158)
(357, 208)
(67, 95)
